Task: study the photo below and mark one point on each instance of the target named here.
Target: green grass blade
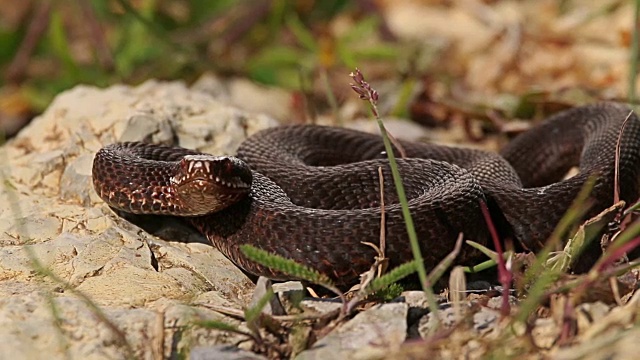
(393, 276)
(287, 266)
(302, 34)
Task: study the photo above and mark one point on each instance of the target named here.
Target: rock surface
(76, 277)
(369, 335)
(222, 352)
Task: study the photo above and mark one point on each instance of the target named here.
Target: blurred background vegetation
(309, 47)
(48, 46)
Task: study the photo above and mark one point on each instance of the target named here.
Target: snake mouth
(211, 183)
(232, 184)
(218, 172)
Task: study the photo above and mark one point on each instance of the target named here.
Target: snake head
(211, 183)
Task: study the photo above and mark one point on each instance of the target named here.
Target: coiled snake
(312, 194)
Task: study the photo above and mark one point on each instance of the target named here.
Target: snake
(317, 194)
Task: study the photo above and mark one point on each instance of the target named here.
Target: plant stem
(633, 68)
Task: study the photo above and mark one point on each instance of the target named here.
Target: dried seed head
(362, 88)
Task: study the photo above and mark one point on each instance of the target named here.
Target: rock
(614, 345)
(446, 318)
(401, 129)
(588, 314)
(485, 319)
(83, 281)
(288, 288)
(611, 335)
(290, 294)
(222, 352)
(495, 302)
(272, 101)
(36, 321)
(320, 306)
(369, 334)
(418, 308)
(545, 332)
(273, 306)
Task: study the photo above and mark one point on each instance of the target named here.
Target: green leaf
(377, 52)
(60, 45)
(362, 30)
(304, 36)
(346, 55)
(286, 266)
(389, 293)
(393, 276)
(480, 267)
(485, 250)
(280, 65)
(276, 56)
(9, 43)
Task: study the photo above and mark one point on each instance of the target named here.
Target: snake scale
(312, 193)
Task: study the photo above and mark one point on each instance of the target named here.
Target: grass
(364, 90)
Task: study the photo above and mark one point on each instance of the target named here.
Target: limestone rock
(82, 281)
(369, 334)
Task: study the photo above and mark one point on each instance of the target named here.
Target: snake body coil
(312, 193)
